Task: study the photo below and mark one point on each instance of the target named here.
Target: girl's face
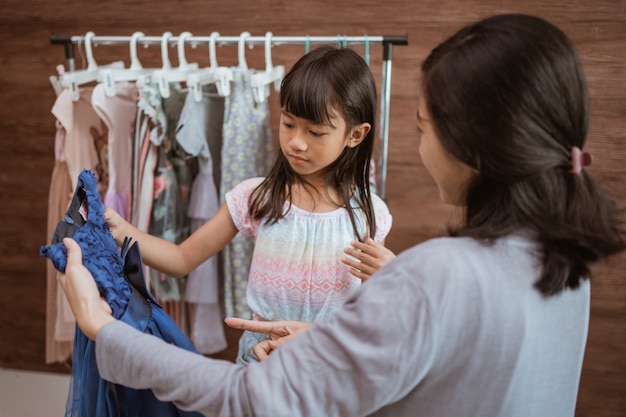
(311, 147)
(451, 175)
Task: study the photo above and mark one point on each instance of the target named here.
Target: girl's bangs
(308, 96)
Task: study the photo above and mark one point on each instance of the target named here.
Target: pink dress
(75, 150)
(118, 114)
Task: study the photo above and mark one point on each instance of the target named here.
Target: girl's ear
(357, 134)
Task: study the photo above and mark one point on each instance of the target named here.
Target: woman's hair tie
(579, 159)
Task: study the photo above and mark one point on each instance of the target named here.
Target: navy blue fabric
(119, 278)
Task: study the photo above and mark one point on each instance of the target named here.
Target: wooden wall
(26, 157)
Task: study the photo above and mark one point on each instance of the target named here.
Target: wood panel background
(27, 59)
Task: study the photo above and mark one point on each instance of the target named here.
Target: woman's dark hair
(324, 80)
(508, 97)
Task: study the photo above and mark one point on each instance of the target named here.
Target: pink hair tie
(579, 159)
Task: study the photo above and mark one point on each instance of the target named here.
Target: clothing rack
(387, 41)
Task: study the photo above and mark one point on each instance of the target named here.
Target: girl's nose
(298, 143)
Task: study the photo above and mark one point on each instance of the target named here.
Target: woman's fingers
(273, 328)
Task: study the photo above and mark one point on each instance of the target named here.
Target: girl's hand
(278, 333)
(91, 311)
(366, 258)
(116, 224)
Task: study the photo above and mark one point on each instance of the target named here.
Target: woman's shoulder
(462, 243)
(434, 249)
(458, 252)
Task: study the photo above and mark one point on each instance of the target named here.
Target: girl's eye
(316, 134)
(287, 125)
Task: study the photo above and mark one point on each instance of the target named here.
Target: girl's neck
(315, 198)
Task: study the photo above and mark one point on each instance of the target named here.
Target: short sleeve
(383, 218)
(190, 133)
(237, 201)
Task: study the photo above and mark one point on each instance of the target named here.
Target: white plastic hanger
(167, 74)
(273, 74)
(220, 76)
(72, 80)
(241, 50)
(158, 76)
(55, 80)
(109, 76)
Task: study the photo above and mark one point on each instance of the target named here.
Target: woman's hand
(366, 258)
(278, 333)
(91, 311)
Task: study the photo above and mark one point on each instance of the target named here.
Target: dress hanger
(72, 80)
(273, 74)
(55, 80)
(183, 65)
(158, 76)
(220, 76)
(167, 74)
(110, 76)
(241, 50)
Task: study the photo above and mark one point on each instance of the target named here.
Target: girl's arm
(170, 258)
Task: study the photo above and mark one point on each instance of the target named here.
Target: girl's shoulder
(249, 184)
(239, 195)
(384, 219)
(245, 188)
(378, 203)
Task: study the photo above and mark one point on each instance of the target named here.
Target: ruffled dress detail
(119, 278)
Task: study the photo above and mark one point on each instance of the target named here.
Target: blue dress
(119, 278)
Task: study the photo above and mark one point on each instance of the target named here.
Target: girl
(315, 200)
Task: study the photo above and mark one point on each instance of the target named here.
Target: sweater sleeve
(351, 364)
(126, 356)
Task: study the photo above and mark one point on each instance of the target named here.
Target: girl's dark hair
(508, 97)
(324, 80)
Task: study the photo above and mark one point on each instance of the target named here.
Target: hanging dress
(247, 152)
(120, 281)
(148, 134)
(118, 114)
(75, 149)
(169, 221)
(80, 121)
(60, 322)
(199, 125)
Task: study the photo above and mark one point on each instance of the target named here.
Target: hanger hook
(182, 60)
(165, 58)
(91, 62)
(134, 60)
(242, 50)
(212, 52)
(268, 51)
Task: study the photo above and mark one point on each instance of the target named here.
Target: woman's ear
(357, 134)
